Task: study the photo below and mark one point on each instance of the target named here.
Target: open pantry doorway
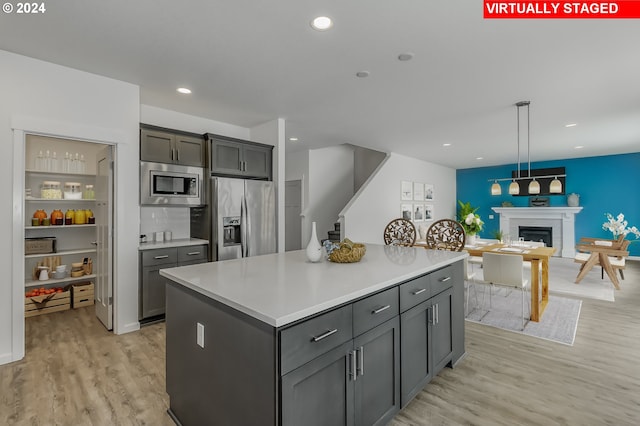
(68, 222)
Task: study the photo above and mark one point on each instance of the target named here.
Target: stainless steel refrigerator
(241, 218)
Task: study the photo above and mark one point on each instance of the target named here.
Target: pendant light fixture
(555, 186)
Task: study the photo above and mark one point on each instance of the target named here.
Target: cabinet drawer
(441, 280)
(305, 341)
(414, 292)
(374, 310)
(159, 256)
(189, 253)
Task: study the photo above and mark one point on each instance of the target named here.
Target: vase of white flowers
(618, 226)
(470, 221)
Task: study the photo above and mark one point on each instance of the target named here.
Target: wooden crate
(82, 294)
(41, 305)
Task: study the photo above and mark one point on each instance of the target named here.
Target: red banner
(517, 9)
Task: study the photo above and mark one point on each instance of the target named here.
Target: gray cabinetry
(235, 157)
(365, 370)
(165, 146)
(426, 340)
(152, 285)
(353, 364)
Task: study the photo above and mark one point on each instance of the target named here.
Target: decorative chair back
(445, 234)
(400, 232)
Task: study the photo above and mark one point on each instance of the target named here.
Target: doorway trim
(21, 127)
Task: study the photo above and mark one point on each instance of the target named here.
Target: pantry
(67, 220)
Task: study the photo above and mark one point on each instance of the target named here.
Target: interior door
(104, 219)
(292, 210)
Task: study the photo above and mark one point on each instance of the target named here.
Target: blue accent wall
(607, 184)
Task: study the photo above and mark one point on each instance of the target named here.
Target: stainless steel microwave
(170, 184)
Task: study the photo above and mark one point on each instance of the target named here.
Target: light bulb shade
(514, 188)
(534, 187)
(495, 189)
(555, 187)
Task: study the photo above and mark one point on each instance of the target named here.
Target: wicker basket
(348, 253)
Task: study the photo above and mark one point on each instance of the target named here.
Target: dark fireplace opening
(537, 233)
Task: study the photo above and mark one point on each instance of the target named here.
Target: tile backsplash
(156, 219)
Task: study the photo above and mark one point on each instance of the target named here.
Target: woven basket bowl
(348, 253)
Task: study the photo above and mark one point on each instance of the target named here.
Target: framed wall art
(406, 191)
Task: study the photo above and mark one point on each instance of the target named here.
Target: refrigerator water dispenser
(231, 231)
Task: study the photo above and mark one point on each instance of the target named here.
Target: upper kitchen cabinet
(174, 147)
(235, 157)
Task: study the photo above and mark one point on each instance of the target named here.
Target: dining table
(539, 275)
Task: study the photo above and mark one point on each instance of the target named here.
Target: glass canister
(50, 190)
(57, 217)
(69, 217)
(89, 193)
(80, 217)
(72, 191)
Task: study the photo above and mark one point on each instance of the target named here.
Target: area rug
(559, 320)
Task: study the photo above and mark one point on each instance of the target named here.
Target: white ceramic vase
(314, 249)
(471, 239)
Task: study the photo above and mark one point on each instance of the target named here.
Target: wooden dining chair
(400, 232)
(505, 270)
(445, 234)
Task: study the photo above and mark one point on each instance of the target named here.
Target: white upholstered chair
(505, 270)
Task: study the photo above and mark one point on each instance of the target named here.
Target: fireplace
(561, 220)
(537, 233)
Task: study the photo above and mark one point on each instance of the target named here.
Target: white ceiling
(251, 61)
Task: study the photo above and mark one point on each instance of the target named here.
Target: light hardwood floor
(77, 373)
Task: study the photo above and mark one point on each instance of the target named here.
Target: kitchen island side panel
(457, 314)
(232, 380)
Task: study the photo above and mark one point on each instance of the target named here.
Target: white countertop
(279, 289)
(181, 242)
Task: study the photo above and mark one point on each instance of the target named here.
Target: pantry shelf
(38, 283)
(61, 253)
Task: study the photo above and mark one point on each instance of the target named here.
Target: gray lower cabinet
(152, 284)
(426, 343)
(356, 383)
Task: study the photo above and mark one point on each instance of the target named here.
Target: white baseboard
(128, 328)
(7, 358)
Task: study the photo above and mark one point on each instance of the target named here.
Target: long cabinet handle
(377, 311)
(444, 280)
(417, 292)
(324, 335)
(437, 306)
(360, 368)
(161, 257)
(354, 372)
(193, 253)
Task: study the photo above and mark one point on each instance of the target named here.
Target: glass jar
(72, 191)
(50, 190)
(80, 217)
(89, 193)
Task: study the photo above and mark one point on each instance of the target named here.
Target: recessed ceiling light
(293, 139)
(446, 144)
(579, 147)
(184, 90)
(362, 74)
(321, 23)
(571, 125)
(407, 56)
(479, 158)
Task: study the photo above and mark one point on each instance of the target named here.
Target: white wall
(378, 201)
(188, 123)
(330, 187)
(41, 96)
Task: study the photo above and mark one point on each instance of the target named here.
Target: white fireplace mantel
(561, 219)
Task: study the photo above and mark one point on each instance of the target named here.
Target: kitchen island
(276, 340)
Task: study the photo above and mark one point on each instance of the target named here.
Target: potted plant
(470, 221)
(498, 235)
